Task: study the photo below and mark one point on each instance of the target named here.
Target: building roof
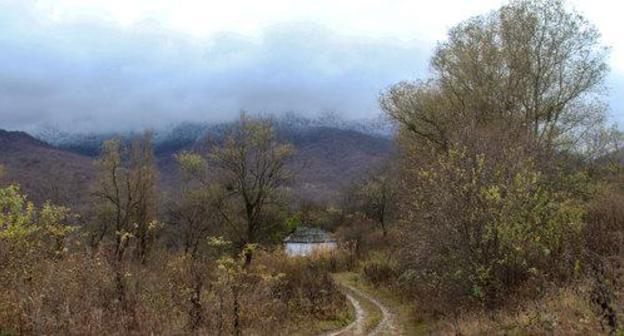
(310, 235)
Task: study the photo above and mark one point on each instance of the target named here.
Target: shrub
(359, 233)
(379, 268)
(604, 233)
(482, 226)
(52, 284)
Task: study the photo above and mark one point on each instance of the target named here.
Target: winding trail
(357, 326)
(360, 300)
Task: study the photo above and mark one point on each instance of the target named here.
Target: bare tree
(196, 213)
(484, 146)
(376, 195)
(532, 67)
(124, 201)
(142, 174)
(251, 168)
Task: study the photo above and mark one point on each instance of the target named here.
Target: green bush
(483, 226)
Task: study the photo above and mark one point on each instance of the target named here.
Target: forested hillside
(328, 158)
(45, 172)
(492, 204)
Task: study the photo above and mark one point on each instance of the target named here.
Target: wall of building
(306, 249)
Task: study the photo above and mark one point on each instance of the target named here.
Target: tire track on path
(385, 327)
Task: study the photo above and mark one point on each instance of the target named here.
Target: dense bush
(52, 283)
(604, 233)
(359, 234)
(77, 296)
(603, 262)
(496, 150)
(481, 226)
(379, 268)
(305, 284)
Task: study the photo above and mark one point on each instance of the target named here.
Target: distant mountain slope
(327, 160)
(45, 172)
(185, 134)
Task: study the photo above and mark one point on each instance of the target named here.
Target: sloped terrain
(327, 160)
(45, 172)
(330, 159)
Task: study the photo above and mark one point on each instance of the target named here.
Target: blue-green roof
(310, 235)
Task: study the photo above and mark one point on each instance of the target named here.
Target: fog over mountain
(94, 75)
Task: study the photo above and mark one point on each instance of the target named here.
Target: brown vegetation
(501, 212)
(45, 172)
(509, 184)
(129, 272)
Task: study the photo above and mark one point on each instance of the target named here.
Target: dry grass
(76, 295)
(564, 312)
(556, 311)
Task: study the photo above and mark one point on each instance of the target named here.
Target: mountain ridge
(327, 160)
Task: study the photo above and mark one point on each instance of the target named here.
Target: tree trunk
(236, 304)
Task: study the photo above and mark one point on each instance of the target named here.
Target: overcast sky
(126, 64)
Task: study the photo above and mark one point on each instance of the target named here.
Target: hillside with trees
(495, 209)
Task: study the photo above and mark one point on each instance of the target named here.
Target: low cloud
(99, 76)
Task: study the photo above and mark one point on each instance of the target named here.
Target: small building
(305, 241)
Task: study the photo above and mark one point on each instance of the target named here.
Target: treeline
(204, 259)
(508, 184)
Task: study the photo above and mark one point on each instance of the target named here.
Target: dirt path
(357, 326)
(387, 325)
(364, 307)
